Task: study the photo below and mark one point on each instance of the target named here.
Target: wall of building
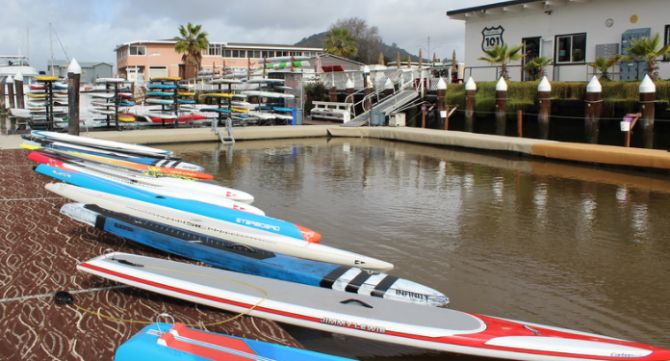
(589, 17)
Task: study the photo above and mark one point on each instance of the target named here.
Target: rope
(51, 294)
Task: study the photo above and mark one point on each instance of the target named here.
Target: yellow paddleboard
(240, 110)
(46, 78)
(167, 78)
(37, 95)
(126, 118)
(220, 95)
(186, 94)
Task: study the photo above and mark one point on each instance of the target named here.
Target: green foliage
(314, 91)
(503, 54)
(340, 42)
(536, 66)
(648, 50)
(191, 43)
(603, 65)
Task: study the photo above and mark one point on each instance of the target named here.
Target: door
(633, 70)
(531, 50)
(158, 72)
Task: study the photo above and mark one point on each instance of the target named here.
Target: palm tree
(502, 54)
(191, 43)
(603, 65)
(536, 66)
(340, 42)
(648, 50)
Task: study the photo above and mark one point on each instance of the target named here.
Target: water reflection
(574, 246)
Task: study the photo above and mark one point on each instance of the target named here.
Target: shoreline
(616, 156)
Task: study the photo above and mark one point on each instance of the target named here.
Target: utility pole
(429, 45)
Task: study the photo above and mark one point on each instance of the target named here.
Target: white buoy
(594, 86)
(647, 85)
(74, 67)
(388, 84)
(349, 84)
(501, 86)
(470, 85)
(10, 80)
(544, 85)
(18, 76)
(441, 84)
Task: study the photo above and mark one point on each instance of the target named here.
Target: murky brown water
(555, 243)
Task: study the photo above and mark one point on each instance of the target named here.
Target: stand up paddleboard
(87, 178)
(105, 144)
(248, 229)
(372, 318)
(236, 257)
(182, 185)
(167, 342)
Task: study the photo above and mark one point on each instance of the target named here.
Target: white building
(572, 33)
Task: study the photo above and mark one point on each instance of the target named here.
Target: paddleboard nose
(309, 235)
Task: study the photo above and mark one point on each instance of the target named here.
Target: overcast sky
(89, 30)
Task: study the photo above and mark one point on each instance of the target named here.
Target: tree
(648, 50)
(368, 41)
(536, 66)
(191, 43)
(502, 54)
(603, 65)
(340, 42)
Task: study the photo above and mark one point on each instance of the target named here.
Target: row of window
(219, 50)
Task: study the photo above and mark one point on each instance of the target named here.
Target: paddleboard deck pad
(372, 318)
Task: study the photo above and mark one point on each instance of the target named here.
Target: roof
(225, 44)
(83, 64)
(490, 6)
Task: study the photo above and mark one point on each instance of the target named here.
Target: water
(555, 243)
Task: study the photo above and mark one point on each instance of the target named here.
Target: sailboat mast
(51, 49)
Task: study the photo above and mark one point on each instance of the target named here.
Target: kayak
(100, 143)
(232, 256)
(178, 184)
(160, 162)
(266, 233)
(434, 328)
(176, 342)
(91, 179)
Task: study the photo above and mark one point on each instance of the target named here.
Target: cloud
(90, 30)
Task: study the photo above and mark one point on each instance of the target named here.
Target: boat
(178, 184)
(232, 256)
(155, 161)
(266, 233)
(104, 144)
(91, 179)
(433, 328)
(176, 342)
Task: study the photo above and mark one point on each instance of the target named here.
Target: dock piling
(470, 91)
(501, 106)
(648, 110)
(593, 108)
(73, 79)
(18, 85)
(442, 106)
(10, 91)
(544, 107)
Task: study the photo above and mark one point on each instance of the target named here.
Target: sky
(89, 30)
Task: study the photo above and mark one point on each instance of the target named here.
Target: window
(137, 50)
(227, 53)
(214, 49)
(570, 48)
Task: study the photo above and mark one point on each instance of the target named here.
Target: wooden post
(424, 109)
(544, 107)
(10, 91)
(248, 70)
(470, 92)
(333, 93)
(519, 123)
(593, 109)
(265, 65)
(3, 86)
(397, 59)
(501, 106)
(648, 110)
(73, 79)
(629, 122)
(442, 107)
(18, 85)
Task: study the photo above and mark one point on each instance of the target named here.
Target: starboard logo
(492, 37)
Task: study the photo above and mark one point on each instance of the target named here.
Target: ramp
(385, 107)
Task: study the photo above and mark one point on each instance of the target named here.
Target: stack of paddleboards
(46, 100)
(114, 102)
(267, 267)
(169, 103)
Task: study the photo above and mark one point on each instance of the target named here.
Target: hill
(389, 51)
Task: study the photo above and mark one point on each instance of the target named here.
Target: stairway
(385, 107)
